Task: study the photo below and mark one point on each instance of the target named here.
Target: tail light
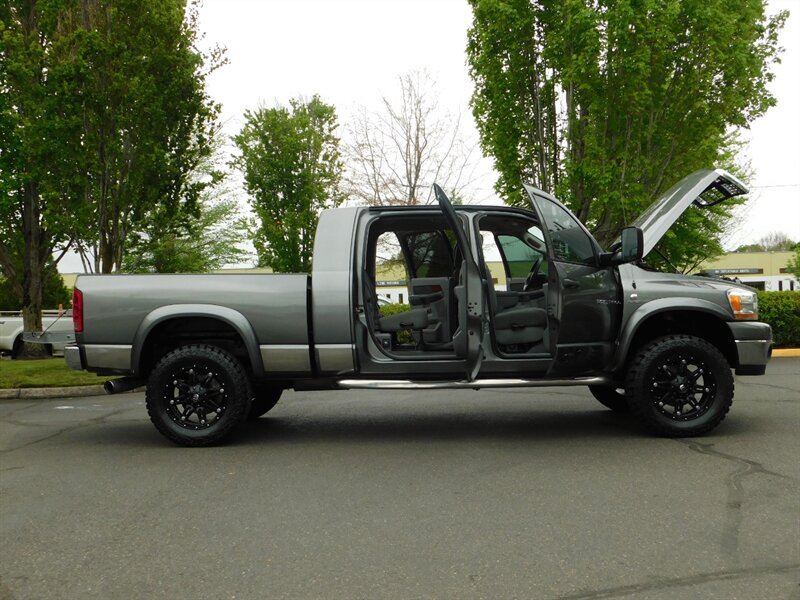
(77, 310)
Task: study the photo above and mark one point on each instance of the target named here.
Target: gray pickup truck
(215, 350)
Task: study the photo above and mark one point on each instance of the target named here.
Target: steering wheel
(531, 278)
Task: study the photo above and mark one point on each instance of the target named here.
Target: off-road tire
(185, 386)
(609, 397)
(265, 398)
(665, 379)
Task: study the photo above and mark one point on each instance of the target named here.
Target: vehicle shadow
(404, 428)
(379, 427)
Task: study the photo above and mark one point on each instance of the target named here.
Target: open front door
(584, 304)
(468, 340)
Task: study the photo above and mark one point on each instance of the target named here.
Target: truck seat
(522, 323)
(414, 319)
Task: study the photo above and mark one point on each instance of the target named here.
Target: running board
(407, 384)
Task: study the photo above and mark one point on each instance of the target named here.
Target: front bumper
(753, 345)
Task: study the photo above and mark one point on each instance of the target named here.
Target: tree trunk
(32, 266)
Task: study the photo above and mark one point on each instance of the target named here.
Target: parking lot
(492, 494)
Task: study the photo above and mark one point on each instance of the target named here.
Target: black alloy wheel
(680, 385)
(197, 395)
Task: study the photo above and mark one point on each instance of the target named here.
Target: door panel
(433, 293)
(468, 340)
(584, 300)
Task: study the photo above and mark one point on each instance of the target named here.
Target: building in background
(762, 270)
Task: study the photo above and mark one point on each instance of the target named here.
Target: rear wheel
(198, 395)
(610, 397)
(680, 386)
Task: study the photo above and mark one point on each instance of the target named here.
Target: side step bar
(407, 384)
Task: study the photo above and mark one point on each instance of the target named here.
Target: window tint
(519, 255)
(431, 254)
(570, 242)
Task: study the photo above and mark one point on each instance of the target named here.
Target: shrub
(393, 309)
(404, 336)
(782, 311)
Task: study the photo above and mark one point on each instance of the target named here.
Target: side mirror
(632, 244)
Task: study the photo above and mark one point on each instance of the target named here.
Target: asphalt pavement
(448, 494)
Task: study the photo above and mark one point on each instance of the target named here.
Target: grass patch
(47, 372)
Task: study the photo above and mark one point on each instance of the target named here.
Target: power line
(782, 185)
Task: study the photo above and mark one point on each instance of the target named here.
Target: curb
(55, 392)
(51, 392)
(785, 352)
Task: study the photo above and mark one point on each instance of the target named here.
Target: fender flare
(660, 306)
(173, 311)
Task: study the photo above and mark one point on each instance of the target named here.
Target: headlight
(744, 304)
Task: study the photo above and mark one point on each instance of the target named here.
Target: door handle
(570, 283)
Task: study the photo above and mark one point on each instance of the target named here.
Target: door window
(570, 242)
(519, 254)
(430, 253)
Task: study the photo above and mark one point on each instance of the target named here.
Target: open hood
(703, 188)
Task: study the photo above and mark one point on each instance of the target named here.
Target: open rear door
(468, 341)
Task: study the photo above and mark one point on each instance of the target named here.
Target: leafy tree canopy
(103, 115)
(194, 244)
(607, 103)
(54, 292)
(291, 164)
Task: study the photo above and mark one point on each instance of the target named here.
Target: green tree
(148, 121)
(608, 103)
(103, 115)
(197, 243)
(54, 292)
(198, 238)
(40, 148)
(292, 168)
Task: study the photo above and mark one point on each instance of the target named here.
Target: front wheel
(198, 395)
(679, 386)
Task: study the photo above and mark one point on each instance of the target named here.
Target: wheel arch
(169, 327)
(699, 318)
